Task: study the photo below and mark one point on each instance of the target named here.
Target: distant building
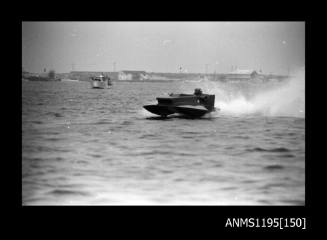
(132, 75)
(85, 75)
(240, 74)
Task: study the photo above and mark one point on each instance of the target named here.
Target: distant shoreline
(151, 77)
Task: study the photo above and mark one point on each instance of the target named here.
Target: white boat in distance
(100, 82)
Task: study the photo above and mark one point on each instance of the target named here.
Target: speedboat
(100, 82)
(191, 105)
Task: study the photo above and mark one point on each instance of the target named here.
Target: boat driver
(197, 91)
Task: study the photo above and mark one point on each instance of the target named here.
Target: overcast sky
(163, 46)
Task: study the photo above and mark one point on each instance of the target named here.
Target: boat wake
(272, 98)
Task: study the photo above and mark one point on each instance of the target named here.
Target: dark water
(98, 146)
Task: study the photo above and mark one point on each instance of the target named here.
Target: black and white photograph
(163, 113)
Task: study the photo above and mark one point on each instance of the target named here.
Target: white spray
(273, 98)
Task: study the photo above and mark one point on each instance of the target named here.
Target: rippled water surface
(99, 146)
